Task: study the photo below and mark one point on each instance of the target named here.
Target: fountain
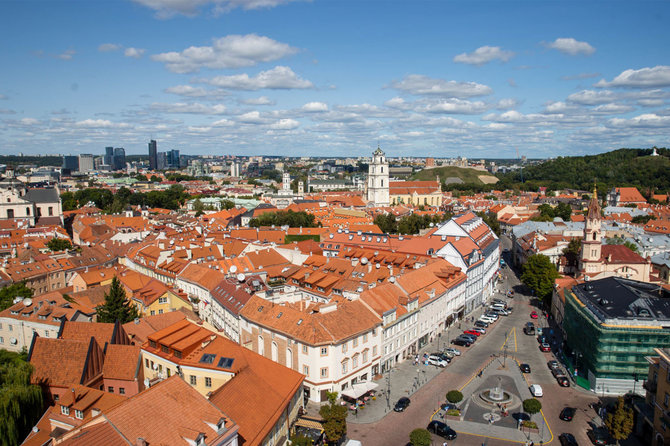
(496, 396)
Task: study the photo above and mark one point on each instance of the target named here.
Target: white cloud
(580, 76)
(285, 124)
(66, 55)
(651, 102)
(650, 120)
(223, 123)
(252, 117)
(419, 84)
(456, 106)
(612, 109)
(591, 97)
(108, 47)
(187, 90)
(168, 8)
(513, 116)
(234, 51)
(507, 103)
(396, 102)
(261, 100)
(484, 55)
(570, 46)
(100, 123)
(278, 78)
(315, 107)
(135, 53)
(190, 108)
(557, 107)
(29, 121)
(656, 77)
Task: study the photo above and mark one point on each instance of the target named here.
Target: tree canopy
(420, 437)
(334, 419)
(116, 306)
(622, 241)
(21, 404)
(284, 218)
(59, 244)
(539, 275)
(171, 198)
(8, 293)
(620, 422)
(532, 406)
(454, 396)
(548, 213)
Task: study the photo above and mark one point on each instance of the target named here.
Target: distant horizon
(480, 79)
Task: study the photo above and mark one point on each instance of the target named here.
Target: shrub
(454, 396)
(529, 424)
(454, 413)
(531, 406)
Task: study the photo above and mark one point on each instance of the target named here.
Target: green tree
(301, 440)
(454, 396)
(116, 307)
(387, 223)
(21, 404)
(68, 201)
(9, 293)
(620, 422)
(573, 251)
(155, 179)
(334, 419)
(539, 275)
(420, 437)
(491, 220)
(227, 204)
(532, 406)
(622, 241)
(59, 244)
(643, 219)
(564, 211)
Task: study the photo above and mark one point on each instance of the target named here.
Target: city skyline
(281, 77)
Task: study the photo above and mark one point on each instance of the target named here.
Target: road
(394, 428)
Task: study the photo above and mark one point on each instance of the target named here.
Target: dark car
(567, 440)
(448, 406)
(542, 339)
(462, 342)
(525, 368)
(552, 364)
(441, 429)
(468, 336)
(529, 329)
(481, 324)
(563, 381)
(402, 404)
(442, 356)
(567, 413)
(599, 437)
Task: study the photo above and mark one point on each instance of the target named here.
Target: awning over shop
(359, 389)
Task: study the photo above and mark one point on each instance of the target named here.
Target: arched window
(594, 236)
(261, 345)
(289, 358)
(275, 351)
(382, 169)
(382, 183)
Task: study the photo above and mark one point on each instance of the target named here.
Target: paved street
(377, 424)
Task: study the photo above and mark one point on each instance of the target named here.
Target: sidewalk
(405, 379)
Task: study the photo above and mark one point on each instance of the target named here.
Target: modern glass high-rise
(119, 159)
(71, 163)
(109, 155)
(153, 155)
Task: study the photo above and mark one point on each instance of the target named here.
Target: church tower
(378, 180)
(589, 261)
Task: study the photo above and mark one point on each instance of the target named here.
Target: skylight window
(207, 358)
(225, 363)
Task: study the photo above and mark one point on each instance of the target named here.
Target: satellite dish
(27, 301)
(392, 279)
(233, 269)
(364, 261)
(17, 299)
(240, 277)
(330, 236)
(377, 266)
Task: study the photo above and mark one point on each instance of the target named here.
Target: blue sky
(334, 77)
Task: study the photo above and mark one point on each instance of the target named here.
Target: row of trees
(548, 213)
(171, 198)
(284, 218)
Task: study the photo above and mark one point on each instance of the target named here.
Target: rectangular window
(160, 311)
(153, 312)
(365, 338)
(79, 414)
(208, 382)
(194, 380)
(324, 372)
(110, 389)
(324, 351)
(304, 349)
(365, 357)
(355, 342)
(305, 370)
(355, 361)
(65, 410)
(344, 347)
(344, 367)
(146, 363)
(2, 340)
(666, 399)
(374, 350)
(122, 390)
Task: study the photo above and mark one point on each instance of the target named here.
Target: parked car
(536, 390)
(486, 319)
(529, 329)
(599, 437)
(500, 301)
(479, 330)
(563, 381)
(542, 339)
(437, 361)
(525, 368)
(533, 314)
(448, 406)
(441, 429)
(567, 413)
(491, 314)
(504, 312)
(567, 440)
(461, 342)
(552, 364)
(472, 338)
(472, 332)
(442, 356)
(402, 404)
(545, 347)
(558, 371)
(481, 324)
(452, 351)
(498, 306)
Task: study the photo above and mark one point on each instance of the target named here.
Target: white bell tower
(378, 180)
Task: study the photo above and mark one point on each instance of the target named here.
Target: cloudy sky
(334, 77)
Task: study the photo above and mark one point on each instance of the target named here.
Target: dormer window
(65, 410)
(79, 414)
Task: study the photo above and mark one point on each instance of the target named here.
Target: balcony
(650, 386)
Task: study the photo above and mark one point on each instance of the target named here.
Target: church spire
(594, 206)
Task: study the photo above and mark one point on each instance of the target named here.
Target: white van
(498, 306)
(536, 390)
